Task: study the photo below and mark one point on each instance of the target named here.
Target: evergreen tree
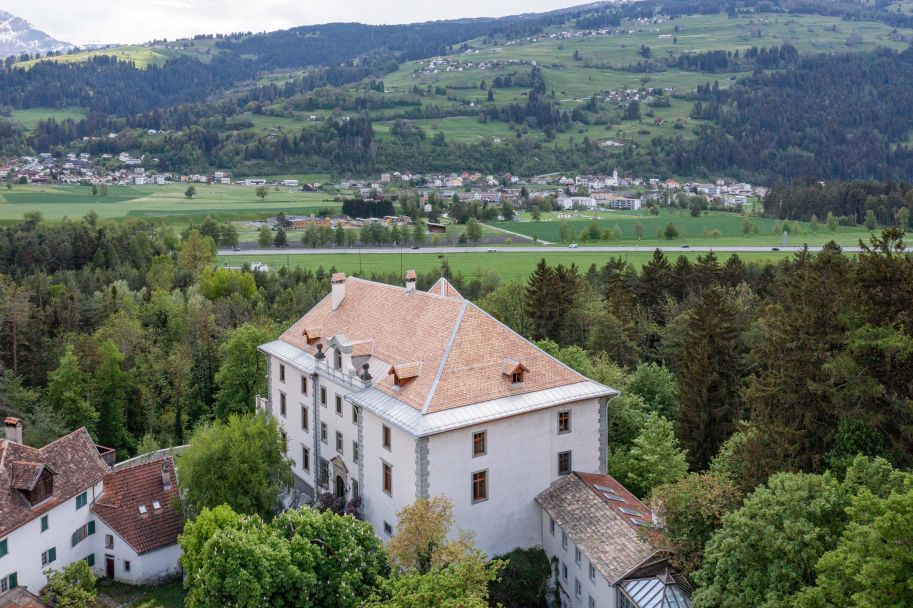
(708, 368)
(68, 393)
(109, 389)
(543, 303)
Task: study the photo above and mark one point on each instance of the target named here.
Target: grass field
(164, 202)
(509, 266)
(692, 230)
(29, 118)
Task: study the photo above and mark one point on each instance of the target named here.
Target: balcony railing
(351, 380)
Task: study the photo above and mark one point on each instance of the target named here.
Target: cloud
(103, 21)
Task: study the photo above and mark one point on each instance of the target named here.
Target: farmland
(507, 265)
(30, 117)
(167, 203)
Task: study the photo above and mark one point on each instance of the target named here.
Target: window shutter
(52, 554)
(3, 547)
(92, 527)
(14, 582)
(75, 538)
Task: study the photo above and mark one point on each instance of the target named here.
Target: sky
(134, 21)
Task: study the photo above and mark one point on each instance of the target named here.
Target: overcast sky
(116, 21)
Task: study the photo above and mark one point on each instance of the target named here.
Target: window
(44, 523)
(109, 541)
(551, 525)
(386, 436)
(126, 565)
(577, 555)
(388, 479)
(337, 358)
(478, 444)
(338, 405)
(563, 571)
(388, 529)
(83, 532)
(564, 422)
(281, 373)
(305, 423)
(356, 452)
(354, 414)
(4, 547)
(323, 395)
(282, 404)
(8, 582)
(592, 572)
(355, 488)
(592, 603)
(479, 486)
(304, 385)
(339, 442)
(82, 500)
(323, 432)
(564, 540)
(305, 459)
(90, 559)
(578, 588)
(517, 377)
(324, 471)
(49, 556)
(564, 462)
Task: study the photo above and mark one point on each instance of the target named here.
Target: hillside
(18, 36)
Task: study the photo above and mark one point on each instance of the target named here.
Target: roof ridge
(440, 370)
(402, 288)
(71, 433)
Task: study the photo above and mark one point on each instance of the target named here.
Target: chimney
(410, 280)
(166, 475)
(13, 428)
(338, 282)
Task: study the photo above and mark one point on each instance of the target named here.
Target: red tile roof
(141, 485)
(452, 350)
(76, 464)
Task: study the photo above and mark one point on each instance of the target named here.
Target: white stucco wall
(151, 567)
(604, 595)
(26, 543)
(521, 460)
(380, 507)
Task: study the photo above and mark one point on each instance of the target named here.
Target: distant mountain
(18, 36)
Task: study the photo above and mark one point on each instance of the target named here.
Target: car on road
(492, 250)
(686, 246)
(572, 246)
(415, 246)
(236, 248)
(775, 249)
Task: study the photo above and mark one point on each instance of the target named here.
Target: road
(450, 250)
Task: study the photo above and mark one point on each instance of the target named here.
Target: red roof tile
(76, 464)
(141, 485)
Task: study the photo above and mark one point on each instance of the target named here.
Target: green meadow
(711, 228)
(508, 265)
(164, 202)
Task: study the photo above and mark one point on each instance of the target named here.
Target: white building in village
(64, 502)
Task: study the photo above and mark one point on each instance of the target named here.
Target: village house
(389, 394)
(64, 502)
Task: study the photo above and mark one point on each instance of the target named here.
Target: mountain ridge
(18, 36)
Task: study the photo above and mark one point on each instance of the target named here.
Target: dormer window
(35, 481)
(514, 371)
(312, 334)
(404, 373)
(337, 358)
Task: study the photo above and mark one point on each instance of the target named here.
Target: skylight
(629, 511)
(613, 496)
(640, 522)
(142, 509)
(157, 505)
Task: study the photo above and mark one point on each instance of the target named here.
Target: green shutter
(75, 538)
(3, 548)
(92, 527)
(52, 554)
(90, 559)
(14, 582)
(44, 523)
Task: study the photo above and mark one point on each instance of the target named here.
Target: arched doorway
(340, 487)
